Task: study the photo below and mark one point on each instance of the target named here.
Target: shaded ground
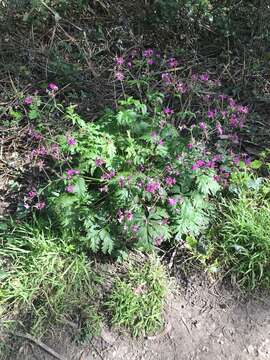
(205, 321)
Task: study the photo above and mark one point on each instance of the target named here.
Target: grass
(43, 280)
(244, 239)
(136, 301)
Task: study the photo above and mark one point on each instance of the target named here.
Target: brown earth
(204, 321)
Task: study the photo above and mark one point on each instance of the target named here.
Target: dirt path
(204, 322)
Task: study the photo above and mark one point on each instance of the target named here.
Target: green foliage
(44, 279)
(136, 301)
(242, 237)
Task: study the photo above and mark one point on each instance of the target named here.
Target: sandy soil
(204, 321)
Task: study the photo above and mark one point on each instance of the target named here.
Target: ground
(205, 320)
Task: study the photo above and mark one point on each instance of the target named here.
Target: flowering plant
(146, 171)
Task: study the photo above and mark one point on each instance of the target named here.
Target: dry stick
(40, 344)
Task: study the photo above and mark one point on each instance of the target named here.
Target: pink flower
(198, 164)
(148, 53)
(99, 162)
(202, 125)
(190, 146)
(242, 109)
(32, 194)
(172, 62)
(158, 240)
(70, 188)
(181, 88)
(222, 97)
(71, 141)
(52, 87)
(119, 75)
(119, 60)
(211, 114)
(152, 186)
(134, 228)
(28, 100)
(166, 78)
(40, 205)
(172, 201)
(204, 77)
(219, 128)
(224, 114)
(109, 175)
(234, 121)
(232, 103)
(121, 182)
(168, 111)
(170, 181)
(72, 172)
(129, 215)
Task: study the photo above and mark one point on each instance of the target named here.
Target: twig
(40, 344)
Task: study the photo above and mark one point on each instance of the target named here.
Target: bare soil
(204, 321)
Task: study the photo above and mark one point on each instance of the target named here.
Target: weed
(44, 280)
(137, 300)
(242, 238)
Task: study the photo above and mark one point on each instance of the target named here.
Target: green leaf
(256, 164)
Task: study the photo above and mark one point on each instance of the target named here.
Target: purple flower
(158, 240)
(72, 172)
(108, 176)
(219, 128)
(32, 194)
(40, 205)
(52, 87)
(119, 60)
(121, 182)
(234, 121)
(150, 62)
(224, 114)
(161, 142)
(129, 215)
(211, 114)
(181, 88)
(168, 111)
(170, 181)
(172, 201)
(148, 53)
(204, 77)
(134, 228)
(190, 146)
(152, 186)
(166, 78)
(194, 77)
(99, 162)
(28, 100)
(198, 164)
(119, 75)
(242, 109)
(222, 97)
(172, 62)
(120, 216)
(202, 125)
(71, 141)
(70, 188)
(247, 161)
(232, 103)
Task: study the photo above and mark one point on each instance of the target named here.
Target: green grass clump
(136, 302)
(244, 239)
(43, 280)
